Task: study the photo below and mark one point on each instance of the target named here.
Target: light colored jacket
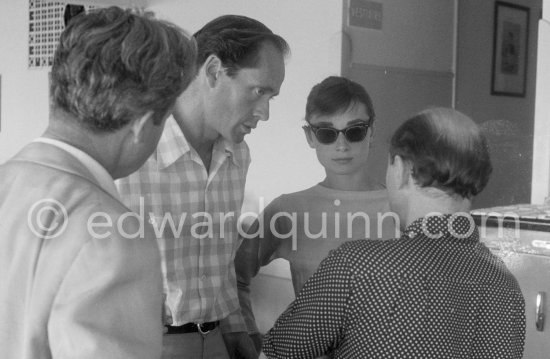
(64, 292)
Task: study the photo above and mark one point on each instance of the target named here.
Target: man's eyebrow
(269, 89)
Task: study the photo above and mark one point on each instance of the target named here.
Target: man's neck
(190, 117)
(101, 147)
(434, 201)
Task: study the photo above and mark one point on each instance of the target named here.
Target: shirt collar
(226, 147)
(459, 226)
(99, 172)
(173, 145)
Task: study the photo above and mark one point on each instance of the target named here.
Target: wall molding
(401, 70)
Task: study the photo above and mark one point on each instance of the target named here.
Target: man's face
(239, 102)
(137, 151)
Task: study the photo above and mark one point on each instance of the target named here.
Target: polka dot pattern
(436, 292)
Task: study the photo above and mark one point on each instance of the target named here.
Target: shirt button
(203, 278)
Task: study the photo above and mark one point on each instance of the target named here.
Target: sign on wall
(367, 14)
(45, 26)
(46, 22)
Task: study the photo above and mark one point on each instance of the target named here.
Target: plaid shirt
(194, 215)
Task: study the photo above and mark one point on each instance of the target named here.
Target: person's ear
(371, 130)
(141, 125)
(402, 172)
(212, 67)
(309, 136)
(370, 137)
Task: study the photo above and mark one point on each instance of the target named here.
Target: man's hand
(240, 346)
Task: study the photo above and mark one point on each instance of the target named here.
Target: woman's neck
(359, 182)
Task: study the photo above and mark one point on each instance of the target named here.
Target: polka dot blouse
(436, 292)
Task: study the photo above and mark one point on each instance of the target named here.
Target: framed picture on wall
(510, 39)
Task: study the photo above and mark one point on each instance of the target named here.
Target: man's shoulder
(77, 194)
(74, 210)
(94, 216)
(362, 253)
(47, 179)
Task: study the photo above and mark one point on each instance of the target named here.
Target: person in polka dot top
(435, 292)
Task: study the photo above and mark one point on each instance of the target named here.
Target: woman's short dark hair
(446, 150)
(236, 40)
(114, 65)
(336, 94)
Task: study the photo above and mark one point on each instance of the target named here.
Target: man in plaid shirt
(191, 189)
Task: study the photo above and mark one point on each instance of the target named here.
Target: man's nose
(262, 111)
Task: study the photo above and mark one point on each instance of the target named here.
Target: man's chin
(238, 138)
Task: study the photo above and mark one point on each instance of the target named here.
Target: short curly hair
(446, 150)
(114, 65)
(236, 40)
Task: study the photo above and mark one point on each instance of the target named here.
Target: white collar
(98, 171)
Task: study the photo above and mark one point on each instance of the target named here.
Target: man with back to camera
(72, 286)
(197, 176)
(436, 292)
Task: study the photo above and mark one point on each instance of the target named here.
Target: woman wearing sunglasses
(303, 227)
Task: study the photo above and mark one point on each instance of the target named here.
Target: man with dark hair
(193, 186)
(436, 292)
(75, 282)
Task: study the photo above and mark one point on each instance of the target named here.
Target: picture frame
(510, 45)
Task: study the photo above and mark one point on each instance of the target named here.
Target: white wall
(24, 106)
